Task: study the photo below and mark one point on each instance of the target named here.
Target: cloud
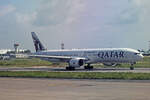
(129, 16)
(56, 19)
(55, 12)
(144, 6)
(140, 3)
(137, 11)
(78, 23)
(133, 22)
(4, 10)
(27, 19)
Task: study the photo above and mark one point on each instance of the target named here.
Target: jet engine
(76, 62)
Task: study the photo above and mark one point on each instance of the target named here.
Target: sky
(76, 23)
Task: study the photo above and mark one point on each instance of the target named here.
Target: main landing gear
(88, 67)
(132, 67)
(70, 68)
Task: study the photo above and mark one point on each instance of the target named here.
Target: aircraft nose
(141, 56)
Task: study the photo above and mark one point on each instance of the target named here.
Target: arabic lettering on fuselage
(111, 54)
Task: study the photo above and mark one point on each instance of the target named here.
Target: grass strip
(24, 63)
(145, 63)
(77, 75)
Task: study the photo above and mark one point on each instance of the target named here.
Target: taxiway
(60, 89)
(58, 69)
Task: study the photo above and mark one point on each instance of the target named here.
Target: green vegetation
(145, 63)
(24, 63)
(78, 75)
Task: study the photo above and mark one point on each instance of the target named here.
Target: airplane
(85, 57)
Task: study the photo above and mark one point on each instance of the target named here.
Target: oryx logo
(38, 45)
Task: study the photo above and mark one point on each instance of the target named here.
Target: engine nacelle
(76, 62)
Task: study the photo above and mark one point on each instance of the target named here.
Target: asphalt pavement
(58, 69)
(60, 89)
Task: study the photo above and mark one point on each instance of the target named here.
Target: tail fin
(38, 45)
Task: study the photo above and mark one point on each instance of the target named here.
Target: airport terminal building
(6, 54)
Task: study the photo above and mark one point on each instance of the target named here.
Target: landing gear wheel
(88, 67)
(70, 68)
(131, 68)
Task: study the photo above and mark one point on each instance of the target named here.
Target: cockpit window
(136, 53)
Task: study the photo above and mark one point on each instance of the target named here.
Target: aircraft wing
(62, 58)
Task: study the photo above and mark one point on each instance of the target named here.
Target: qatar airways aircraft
(80, 57)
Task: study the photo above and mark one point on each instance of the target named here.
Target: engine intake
(76, 62)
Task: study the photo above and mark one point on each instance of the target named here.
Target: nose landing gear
(132, 67)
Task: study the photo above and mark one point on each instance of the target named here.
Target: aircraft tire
(88, 67)
(70, 68)
(131, 68)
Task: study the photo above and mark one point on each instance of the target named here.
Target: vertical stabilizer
(38, 45)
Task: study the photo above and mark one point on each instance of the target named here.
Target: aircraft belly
(114, 60)
(52, 60)
(93, 60)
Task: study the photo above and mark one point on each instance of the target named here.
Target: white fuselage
(103, 55)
